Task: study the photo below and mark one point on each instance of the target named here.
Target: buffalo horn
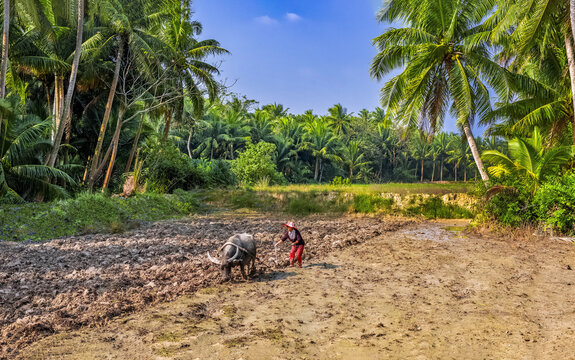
(215, 261)
(236, 254)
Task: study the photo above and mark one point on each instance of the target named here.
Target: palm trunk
(350, 174)
(320, 170)
(167, 127)
(571, 60)
(441, 171)
(85, 176)
(97, 152)
(5, 44)
(455, 171)
(465, 174)
(103, 161)
(475, 152)
(115, 142)
(48, 99)
(134, 147)
(421, 171)
(433, 171)
(316, 173)
(189, 143)
(66, 113)
(58, 99)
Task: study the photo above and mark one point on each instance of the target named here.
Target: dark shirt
(298, 239)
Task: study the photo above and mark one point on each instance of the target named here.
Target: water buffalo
(240, 249)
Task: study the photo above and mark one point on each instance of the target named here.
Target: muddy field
(370, 288)
(84, 281)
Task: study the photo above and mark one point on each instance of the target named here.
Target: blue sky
(304, 54)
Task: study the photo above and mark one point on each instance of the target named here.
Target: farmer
(298, 244)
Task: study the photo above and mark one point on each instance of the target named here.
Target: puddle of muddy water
(456, 229)
(439, 231)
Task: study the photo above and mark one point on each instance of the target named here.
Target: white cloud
(293, 17)
(266, 20)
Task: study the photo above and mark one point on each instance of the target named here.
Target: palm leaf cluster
(97, 70)
(453, 56)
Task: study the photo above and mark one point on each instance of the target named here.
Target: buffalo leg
(253, 267)
(243, 271)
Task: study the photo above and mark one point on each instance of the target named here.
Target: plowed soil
(370, 288)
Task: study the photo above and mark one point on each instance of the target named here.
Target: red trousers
(296, 251)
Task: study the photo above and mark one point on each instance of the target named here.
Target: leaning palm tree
(5, 43)
(445, 60)
(536, 39)
(65, 114)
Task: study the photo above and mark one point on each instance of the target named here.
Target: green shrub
(511, 203)
(244, 199)
(219, 173)
(255, 163)
(339, 181)
(304, 204)
(434, 208)
(89, 213)
(554, 203)
(363, 203)
(166, 168)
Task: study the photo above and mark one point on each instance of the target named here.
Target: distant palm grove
(98, 91)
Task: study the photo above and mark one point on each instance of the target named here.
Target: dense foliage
(93, 91)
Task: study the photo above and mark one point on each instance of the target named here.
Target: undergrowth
(90, 213)
(435, 208)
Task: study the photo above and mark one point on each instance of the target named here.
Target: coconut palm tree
(22, 144)
(529, 159)
(441, 144)
(353, 156)
(538, 37)
(186, 56)
(446, 61)
(5, 44)
(261, 127)
(213, 134)
(322, 142)
(237, 131)
(339, 119)
(420, 150)
(286, 156)
(275, 110)
(65, 115)
(456, 154)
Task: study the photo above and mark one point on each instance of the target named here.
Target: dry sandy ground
(414, 290)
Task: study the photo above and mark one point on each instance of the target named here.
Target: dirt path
(422, 291)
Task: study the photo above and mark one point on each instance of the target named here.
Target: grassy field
(94, 213)
(396, 188)
(90, 213)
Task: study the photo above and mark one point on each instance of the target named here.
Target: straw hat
(290, 224)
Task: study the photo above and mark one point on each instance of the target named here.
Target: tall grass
(89, 213)
(395, 188)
